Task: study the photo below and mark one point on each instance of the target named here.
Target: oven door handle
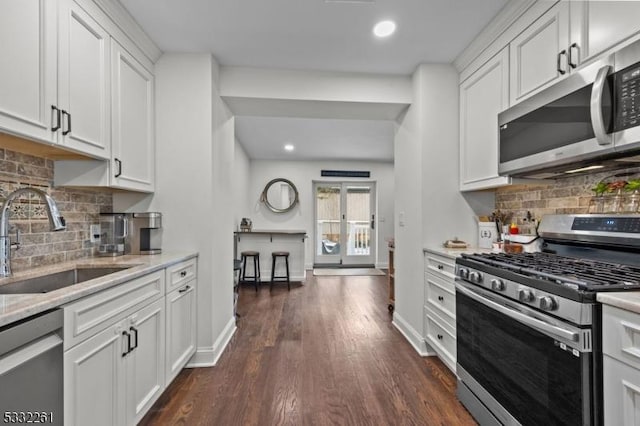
(520, 317)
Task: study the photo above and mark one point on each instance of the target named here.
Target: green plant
(632, 185)
(600, 188)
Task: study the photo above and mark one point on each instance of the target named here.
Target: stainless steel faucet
(55, 221)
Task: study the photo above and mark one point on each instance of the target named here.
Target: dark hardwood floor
(324, 353)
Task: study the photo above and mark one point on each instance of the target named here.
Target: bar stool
(256, 267)
(274, 256)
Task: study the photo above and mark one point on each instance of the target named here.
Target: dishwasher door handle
(32, 350)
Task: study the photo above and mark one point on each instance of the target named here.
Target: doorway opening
(345, 234)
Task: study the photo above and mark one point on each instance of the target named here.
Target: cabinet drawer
(440, 296)
(181, 273)
(621, 335)
(92, 314)
(440, 265)
(441, 338)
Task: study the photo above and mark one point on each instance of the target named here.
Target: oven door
(523, 366)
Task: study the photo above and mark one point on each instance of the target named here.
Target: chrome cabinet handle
(135, 331)
(600, 87)
(182, 290)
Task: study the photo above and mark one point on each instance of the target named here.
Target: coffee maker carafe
(141, 225)
(113, 231)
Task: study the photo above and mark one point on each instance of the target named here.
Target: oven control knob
(475, 277)
(497, 285)
(548, 303)
(463, 273)
(525, 295)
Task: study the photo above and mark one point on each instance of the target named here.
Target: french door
(344, 223)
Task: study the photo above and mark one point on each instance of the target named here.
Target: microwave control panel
(628, 97)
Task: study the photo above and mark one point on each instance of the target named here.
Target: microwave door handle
(600, 87)
(541, 326)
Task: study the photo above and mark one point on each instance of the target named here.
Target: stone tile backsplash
(80, 208)
(560, 196)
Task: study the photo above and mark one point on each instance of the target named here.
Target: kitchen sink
(57, 280)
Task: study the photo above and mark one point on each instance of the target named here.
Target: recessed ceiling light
(289, 147)
(384, 28)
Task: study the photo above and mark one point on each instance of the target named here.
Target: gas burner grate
(572, 272)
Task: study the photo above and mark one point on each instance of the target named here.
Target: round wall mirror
(280, 195)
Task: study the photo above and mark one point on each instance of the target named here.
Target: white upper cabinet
(28, 72)
(482, 96)
(83, 81)
(132, 136)
(540, 54)
(597, 26)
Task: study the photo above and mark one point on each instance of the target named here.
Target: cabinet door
(621, 390)
(482, 97)
(145, 363)
(599, 25)
(133, 148)
(83, 81)
(536, 54)
(93, 380)
(28, 72)
(181, 328)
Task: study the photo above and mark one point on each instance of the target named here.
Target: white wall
(302, 174)
(194, 158)
(241, 176)
(426, 159)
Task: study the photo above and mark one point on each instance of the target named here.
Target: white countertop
(628, 300)
(14, 307)
(453, 253)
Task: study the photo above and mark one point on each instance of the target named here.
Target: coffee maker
(113, 231)
(140, 227)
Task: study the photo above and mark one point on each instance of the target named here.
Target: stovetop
(572, 273)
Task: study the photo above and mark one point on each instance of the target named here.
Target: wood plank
(324, 353)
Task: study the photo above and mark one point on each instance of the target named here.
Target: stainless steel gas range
(529, 327)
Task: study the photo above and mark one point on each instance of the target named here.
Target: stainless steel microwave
(590, 120)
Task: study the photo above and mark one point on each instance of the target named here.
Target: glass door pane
(328, 223)
(359, 233)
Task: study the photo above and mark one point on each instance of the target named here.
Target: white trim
(123, 19)
(382, 265)
(209, 356)
(410, 333)
(503, 20)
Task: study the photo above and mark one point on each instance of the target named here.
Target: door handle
(560, 55)
(119, 163)
(55, 112)
(128, 340)
(373, 221)
(135, 331)
(68, 130)
(573, 47)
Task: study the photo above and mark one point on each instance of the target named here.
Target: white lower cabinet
(125, 344)
(439, 311)
(181, 330)
(621, 366)
(115, 376)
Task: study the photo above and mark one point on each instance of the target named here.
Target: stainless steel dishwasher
(31, 380)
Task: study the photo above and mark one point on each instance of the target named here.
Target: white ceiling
(330, 35)
(316, 139)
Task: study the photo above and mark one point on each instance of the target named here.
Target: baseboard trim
(410, 333)
(209, 356)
